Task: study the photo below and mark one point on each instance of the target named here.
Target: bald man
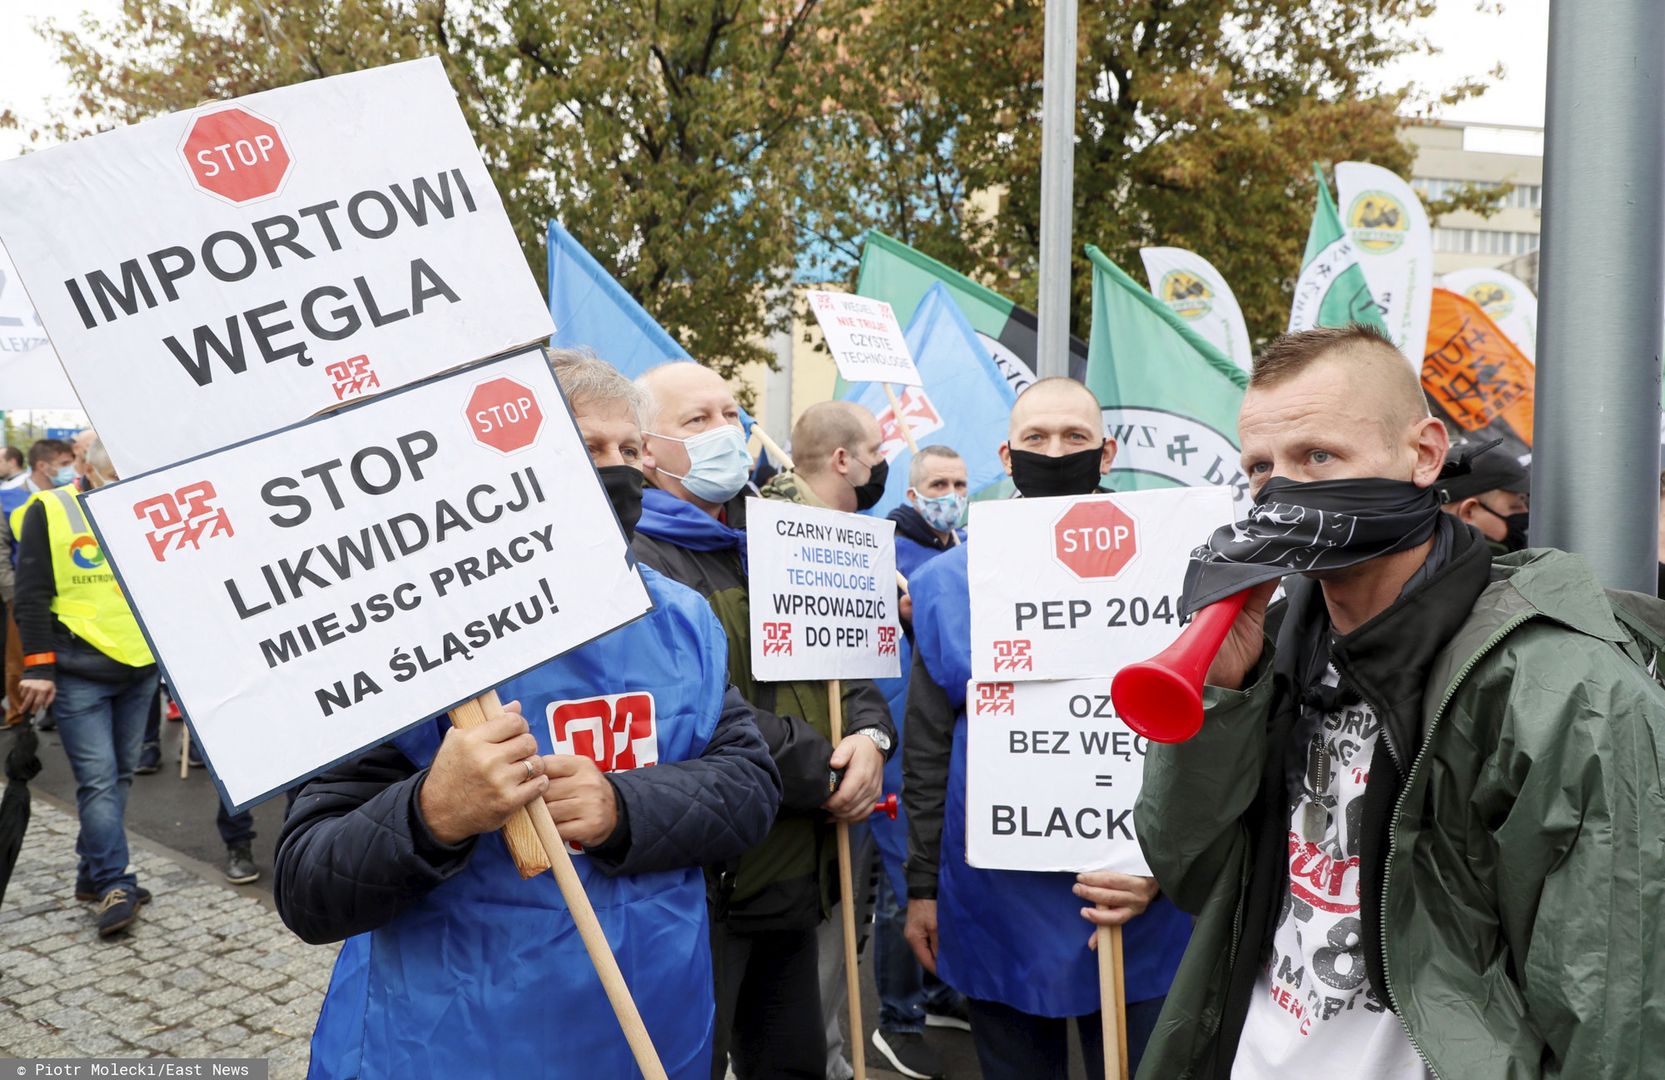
(766, 906)
(1014, 943)
(836, 459)
(1420, 825)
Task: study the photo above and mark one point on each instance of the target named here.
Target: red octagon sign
(1095, 539)
(235, 155)
(504, 415)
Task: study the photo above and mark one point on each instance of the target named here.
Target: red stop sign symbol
(1095, 539)
(236, 155)
(504, 414)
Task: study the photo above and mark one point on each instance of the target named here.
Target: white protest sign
(866, 340)
(1051, 777)
(823, 593)
(314, 591)
(1078, 588)
(30, 376)
(211, 275)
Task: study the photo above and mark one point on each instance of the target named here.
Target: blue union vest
(1016, 937)
(487, 977)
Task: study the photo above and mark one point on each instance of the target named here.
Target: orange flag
(1475, 376)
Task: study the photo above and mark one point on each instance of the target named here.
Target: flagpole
(1602, 276)
(1052, 351)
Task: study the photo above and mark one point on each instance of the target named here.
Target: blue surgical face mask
(65, 475)
(943, 512)
(718, 464)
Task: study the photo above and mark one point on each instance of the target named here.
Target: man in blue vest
(460, 968)
(1012, 942)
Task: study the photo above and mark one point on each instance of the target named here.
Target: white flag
(1395, 248)
(1198, 293)
(1506, 301)
(30, 375)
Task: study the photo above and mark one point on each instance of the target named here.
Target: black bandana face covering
(1296, 528)
(1037, 476)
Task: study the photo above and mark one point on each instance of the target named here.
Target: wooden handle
(901, 421)
(184, 750)
(519, 834)
(782, 458)
(547, 847)
(846, 900)
(1112, 1001)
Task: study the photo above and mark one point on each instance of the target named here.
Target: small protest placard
(1078, 588)
(823, 589)
(1051, 777)
(866, 340)
(314, 591)
(214, 274)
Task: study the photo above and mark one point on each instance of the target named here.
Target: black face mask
(1038, 476)
(1296, 528)
(869, 494)
(1515, 538)
(623, 484)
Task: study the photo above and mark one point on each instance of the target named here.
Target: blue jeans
(102, 727)
(906, 990)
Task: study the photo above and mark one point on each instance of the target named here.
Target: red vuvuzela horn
(1161, 698)
(887, 807)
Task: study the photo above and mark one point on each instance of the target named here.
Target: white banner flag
(214, 274)
(1395, 249)
(1198, 293)
(1506, 301)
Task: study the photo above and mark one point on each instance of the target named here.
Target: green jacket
(1514, 907)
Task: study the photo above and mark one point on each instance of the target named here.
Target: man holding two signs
(1009, 940)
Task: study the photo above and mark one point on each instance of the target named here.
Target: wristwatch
(880, 739)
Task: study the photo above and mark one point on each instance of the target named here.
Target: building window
(1522, 197)
(1484, 242)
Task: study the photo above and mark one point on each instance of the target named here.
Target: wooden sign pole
(1113, 1001)
(533, 820)
(901, 421)
(847, 900)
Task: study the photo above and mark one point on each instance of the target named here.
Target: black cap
(1493, 469)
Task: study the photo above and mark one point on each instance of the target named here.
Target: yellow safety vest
(88, 602)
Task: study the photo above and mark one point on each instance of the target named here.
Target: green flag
(1332, 290)
(1170, 398)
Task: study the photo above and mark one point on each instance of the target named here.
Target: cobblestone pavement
(206, 971)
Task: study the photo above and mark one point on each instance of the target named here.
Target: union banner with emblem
(1475, 376)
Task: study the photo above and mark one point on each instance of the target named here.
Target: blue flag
(965, 402)
(592, 310)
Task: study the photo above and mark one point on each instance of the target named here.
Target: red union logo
(618, 732)
(921, 417)
(184, 518)
(504, 414)
(1095, 539)
(352, 377)
(887, 641)
(995, 697)
(1013, 655)
(777, 639)
(236, 155)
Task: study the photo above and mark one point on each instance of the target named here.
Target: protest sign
(865, 339)
(1077, 588)
(316, 590)
(214, 274)
(1051, 777)
(30, 377)
(823, 588)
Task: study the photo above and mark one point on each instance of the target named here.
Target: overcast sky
(1472, 42)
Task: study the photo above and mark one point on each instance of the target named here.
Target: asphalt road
(179, 813)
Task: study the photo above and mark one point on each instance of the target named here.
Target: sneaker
(85, 892)
(239, 865)
(118, 908)
(150, 759)
(954, 1016)
(194, 756)
(173, 710)
(908, 1054)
